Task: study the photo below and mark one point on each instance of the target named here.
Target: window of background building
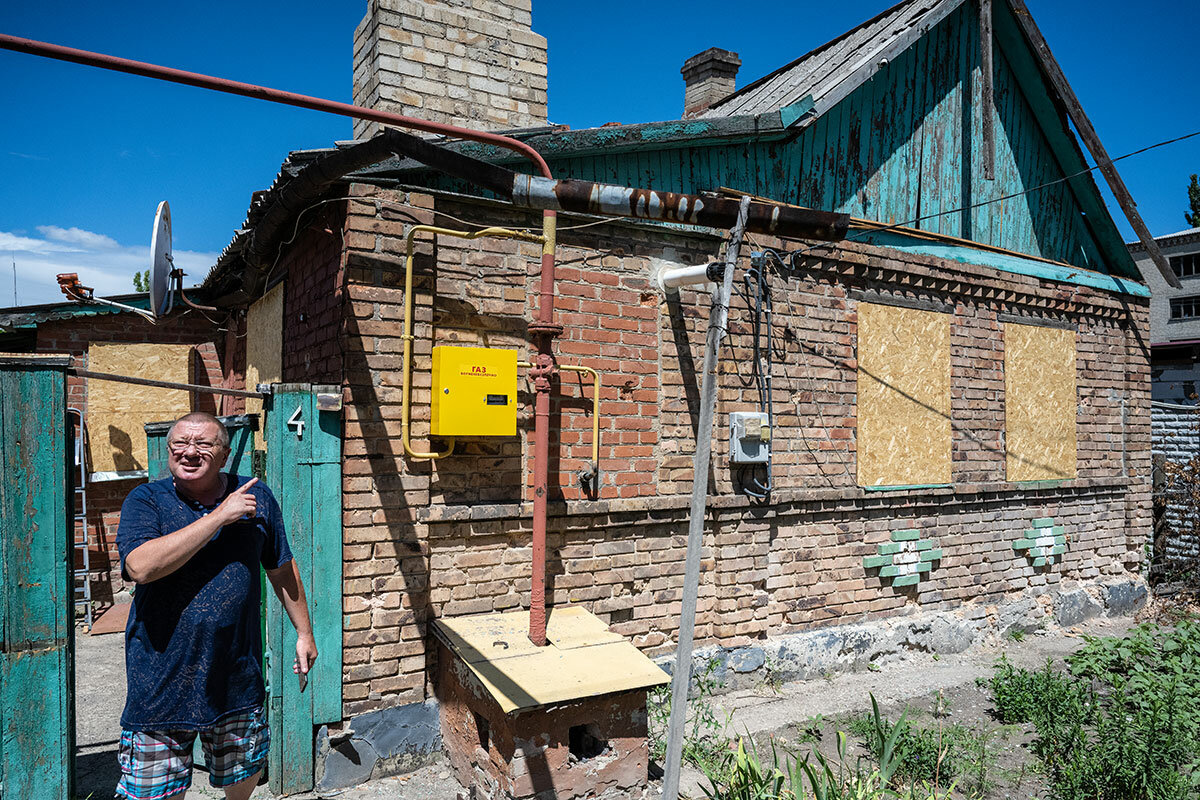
(1186, 265)
(1185, 307)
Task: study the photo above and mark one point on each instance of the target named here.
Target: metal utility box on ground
(520, 720)
(474, 392)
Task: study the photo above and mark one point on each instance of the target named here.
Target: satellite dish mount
(166, 280)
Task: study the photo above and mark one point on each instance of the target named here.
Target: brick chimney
(708, 77)
(475, 63)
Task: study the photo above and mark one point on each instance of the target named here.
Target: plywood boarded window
(264, 344)
(116, 412)
(1039, 402)
(903, 396)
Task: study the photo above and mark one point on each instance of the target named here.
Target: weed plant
(706, 742)
(932, 754)
(787, 776)
(1121, 723)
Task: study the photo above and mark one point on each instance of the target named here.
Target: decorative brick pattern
(905, 559)
(1044, 543)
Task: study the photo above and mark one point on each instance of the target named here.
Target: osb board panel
(264, 345)
(903, 396)
(117, 411)
(583, 658)
(1039, 402)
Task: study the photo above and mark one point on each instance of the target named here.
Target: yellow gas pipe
(595, 405)
(405, 404)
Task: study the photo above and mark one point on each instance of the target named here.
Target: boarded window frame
(903, 396)
(1041, 406)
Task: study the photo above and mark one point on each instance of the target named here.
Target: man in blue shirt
(194, 543)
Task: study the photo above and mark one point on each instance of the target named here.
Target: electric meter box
(474, 392)
(749, 437)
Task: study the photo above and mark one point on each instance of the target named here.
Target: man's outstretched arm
(290, 591)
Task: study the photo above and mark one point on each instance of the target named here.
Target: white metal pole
(691, 574)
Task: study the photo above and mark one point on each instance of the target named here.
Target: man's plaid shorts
(158, 764)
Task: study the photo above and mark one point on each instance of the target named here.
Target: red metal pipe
(147, 70)
(543, 331)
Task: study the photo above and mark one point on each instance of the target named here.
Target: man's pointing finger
(245, 486)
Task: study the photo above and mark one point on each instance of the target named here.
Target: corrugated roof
(1179, 237)
(18, 317)
(259, 202)
(836, 68)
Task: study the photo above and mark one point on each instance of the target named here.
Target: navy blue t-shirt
(193, 643)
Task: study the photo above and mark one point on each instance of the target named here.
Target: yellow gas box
(474, 392)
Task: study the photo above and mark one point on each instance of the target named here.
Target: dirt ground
(789, 712)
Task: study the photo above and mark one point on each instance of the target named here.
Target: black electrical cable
(757, 292)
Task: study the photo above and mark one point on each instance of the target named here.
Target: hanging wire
(757, 293)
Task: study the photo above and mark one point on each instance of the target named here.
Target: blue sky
(86, 154)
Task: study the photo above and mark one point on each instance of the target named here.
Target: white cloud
(100, 261)
(87, 239)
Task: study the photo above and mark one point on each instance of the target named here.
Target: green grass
(1121, 722)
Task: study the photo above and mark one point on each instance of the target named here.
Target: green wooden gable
(883, 123)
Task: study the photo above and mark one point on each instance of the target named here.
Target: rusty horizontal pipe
(713, 211)
(147, 70)
(543, 331)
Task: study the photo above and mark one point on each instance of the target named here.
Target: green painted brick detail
(1058, 530)
(871, 562)
(924, 566)
(1032, 533)
(1043, 522)
(888, 548)
(906, 580)
(1058, 550)
(1060, 540)
(1039, 562)
(1023, 544)
(889, 572)
(932, 555)
(924, 544)
(910, 535)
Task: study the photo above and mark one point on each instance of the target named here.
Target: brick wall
(72, 336)
(478, 64)
(312, 303)
(452, 537)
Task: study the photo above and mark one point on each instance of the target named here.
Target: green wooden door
(304, 450)
(37, 704)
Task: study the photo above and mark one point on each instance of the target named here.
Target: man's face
(194, 452)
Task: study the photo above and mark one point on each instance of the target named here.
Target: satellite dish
(161, 264)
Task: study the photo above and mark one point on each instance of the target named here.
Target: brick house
(960, 428)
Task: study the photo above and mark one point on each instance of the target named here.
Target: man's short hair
(204, 416)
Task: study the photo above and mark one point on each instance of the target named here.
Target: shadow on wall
(122, 450)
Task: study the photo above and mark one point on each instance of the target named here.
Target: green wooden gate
(37, 703)
(304, 451)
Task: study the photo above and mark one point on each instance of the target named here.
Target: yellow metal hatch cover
(583, 658)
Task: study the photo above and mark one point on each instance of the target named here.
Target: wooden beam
(987, 104)
(1091, 140)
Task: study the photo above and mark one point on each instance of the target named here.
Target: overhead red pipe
(543, 330)
(147, 70)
